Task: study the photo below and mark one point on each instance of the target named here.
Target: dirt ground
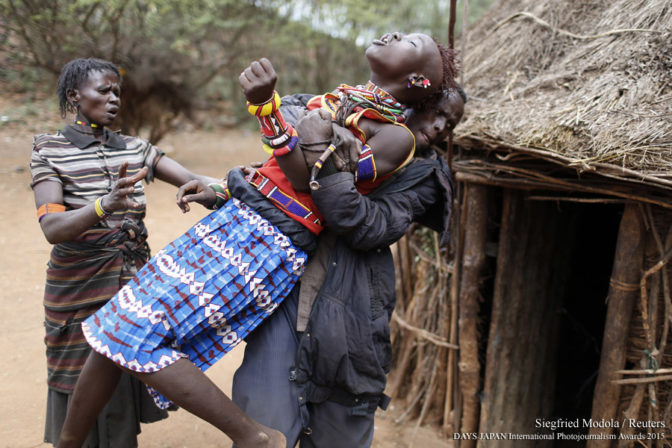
(22, 271)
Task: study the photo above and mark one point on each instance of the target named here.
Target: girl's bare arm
(258, 83)
(391, 144)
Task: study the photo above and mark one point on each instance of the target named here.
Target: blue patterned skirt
(200, 295)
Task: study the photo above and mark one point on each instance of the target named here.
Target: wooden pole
(451, 45)
(533, 261)
(452, 391)
(463, 37)
(476, 201)
(405, 267)
(451, 399)
(623, 290)
(451, 24)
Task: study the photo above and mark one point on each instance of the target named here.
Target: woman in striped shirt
(91, 205)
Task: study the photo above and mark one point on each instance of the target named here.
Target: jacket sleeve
(293, 106)
(367, 223)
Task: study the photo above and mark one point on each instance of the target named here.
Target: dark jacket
(345, 352)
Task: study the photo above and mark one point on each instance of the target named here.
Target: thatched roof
(586, 83)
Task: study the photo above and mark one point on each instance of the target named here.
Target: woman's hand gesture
(195, 191)
(117, 198)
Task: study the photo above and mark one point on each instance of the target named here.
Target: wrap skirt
(199, 296)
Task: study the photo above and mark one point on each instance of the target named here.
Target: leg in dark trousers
(261, 385)
(333, 426)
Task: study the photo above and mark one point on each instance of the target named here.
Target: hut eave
(586, 84)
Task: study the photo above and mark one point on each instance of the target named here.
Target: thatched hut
(557, 287)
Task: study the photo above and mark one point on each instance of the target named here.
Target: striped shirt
(85, 273)
(87, 169)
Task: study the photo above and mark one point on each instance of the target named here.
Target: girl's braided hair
(449, 62)
(74, 73)
(450, 70)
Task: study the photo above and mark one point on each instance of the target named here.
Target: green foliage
(178, 55)
(363, 21)
(170, 50)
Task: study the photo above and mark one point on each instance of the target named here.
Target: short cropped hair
(433, 101)
(74, 73)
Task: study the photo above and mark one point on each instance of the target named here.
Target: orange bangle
(49, 208)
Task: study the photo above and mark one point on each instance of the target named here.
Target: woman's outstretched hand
(195, 191)
(117, 198)
(198, 191)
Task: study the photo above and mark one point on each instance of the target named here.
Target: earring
(418, 81)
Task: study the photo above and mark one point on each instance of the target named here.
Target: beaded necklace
(84, 123)
(372, 96)
(86, 128)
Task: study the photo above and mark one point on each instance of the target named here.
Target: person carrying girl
(207, 290)
(93, 215)
(316, 369)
